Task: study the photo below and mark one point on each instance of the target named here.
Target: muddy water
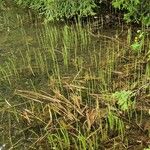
(24, 37)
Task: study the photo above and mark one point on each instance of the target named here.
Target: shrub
(135, 10)
(60, 9)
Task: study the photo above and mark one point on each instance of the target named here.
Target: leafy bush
(60, 9)
(135, 10)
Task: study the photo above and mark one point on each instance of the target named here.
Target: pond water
(26, 42)
(43, 56)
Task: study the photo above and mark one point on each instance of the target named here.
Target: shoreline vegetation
(82, 85)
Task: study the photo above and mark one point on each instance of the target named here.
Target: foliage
(138, 41)
(124, 99)
(60, 9)
(137, 10)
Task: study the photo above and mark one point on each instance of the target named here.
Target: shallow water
(21, 33)
(34, 53)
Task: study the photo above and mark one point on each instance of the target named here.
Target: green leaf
(136, 47)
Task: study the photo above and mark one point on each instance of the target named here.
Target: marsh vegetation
(73, 85)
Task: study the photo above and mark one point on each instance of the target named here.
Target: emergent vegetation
(70, 86)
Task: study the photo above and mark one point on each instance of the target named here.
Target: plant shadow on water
(65, 87)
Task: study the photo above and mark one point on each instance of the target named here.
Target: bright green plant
(138, 41)
(135, 10)
(124, 99)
